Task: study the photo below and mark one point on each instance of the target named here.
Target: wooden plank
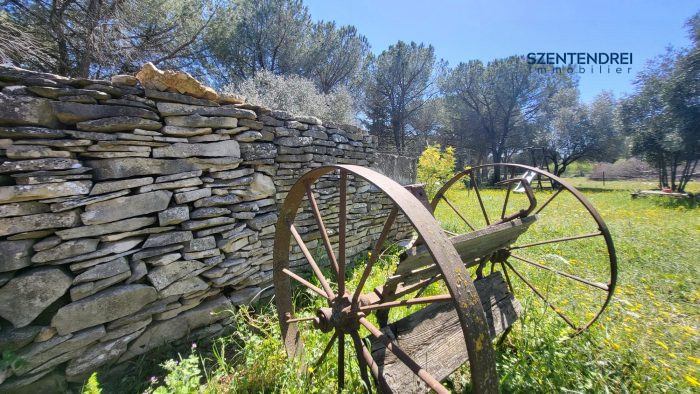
(470, 246)
(434, 339)
(644, 193)
(408, 278)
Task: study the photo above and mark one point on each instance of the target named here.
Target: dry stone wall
(130, 214)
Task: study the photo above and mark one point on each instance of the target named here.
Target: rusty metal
(360, 349)
(373, 367)
(601, 286)
(478, 196)
(412, 301)
(305, 282)
(346, 310)
(317, 270)
(375, 252)
(342, 224)
(530, 197)
(458, 213)
(321, 227)
(556, 240)
(326, 350)
(502, 258)
(546, 301)
(505, 203)
(549, 200)
(405, 358)
(344, 313)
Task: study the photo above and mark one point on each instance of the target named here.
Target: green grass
(632, 185)
(647, 340)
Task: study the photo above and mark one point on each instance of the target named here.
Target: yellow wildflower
(663, 345)
(692, 380)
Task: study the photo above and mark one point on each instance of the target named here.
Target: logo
(580, 62)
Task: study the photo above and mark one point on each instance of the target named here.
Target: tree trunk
(497, 158)
(674, 170)
(687, 174)
(397, 136)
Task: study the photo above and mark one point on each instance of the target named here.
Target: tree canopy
(274, 52)
(662, 117)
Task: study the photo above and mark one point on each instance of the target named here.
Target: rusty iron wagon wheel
(566, 259)
(346, 312)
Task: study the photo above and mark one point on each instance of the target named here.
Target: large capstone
(26, 295)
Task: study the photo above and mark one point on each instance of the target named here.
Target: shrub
(623, 169)
(183, 376)
(435, 167)
(92, 385)
(297, 95)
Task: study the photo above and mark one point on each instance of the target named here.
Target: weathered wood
(470, 246)
(433, 338)
(646, 193)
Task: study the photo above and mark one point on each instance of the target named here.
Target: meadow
(647, 340)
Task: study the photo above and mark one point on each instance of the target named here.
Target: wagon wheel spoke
(341, 361)
(342, 224)
(601, 286)
(405, 358)
(539, 294)
(505, 202)
(413, 301)
(359, 352)
(454, 208)
(375, 252)
(596, 276)
(327, 349)
(373, 367)
(478, 196)
(322, 228)
(317, 271)
(551, 241)
(301, 319)
(305, 283)
(505, 272)
(549, 200)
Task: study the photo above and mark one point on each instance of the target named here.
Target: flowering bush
(435, 167)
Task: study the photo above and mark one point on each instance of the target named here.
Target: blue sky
(464, 30)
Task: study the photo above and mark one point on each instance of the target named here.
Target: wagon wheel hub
(500, 256)
(342, 316)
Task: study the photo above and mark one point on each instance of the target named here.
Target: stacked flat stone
(129, 217)
(303, 143)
